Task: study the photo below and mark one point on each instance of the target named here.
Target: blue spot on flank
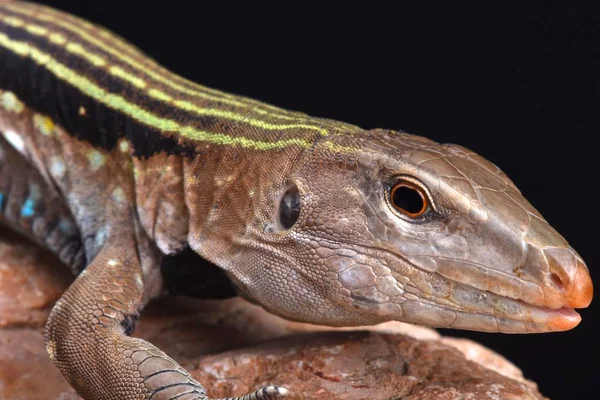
(28, 208)
(1, 201)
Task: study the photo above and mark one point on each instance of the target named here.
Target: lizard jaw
(557, 320)
(439, 301)
(493, 313)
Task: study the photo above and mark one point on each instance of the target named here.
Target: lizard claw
(271, 392)
(278, 393)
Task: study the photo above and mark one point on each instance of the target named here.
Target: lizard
(146, 184)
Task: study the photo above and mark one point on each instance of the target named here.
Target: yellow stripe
(137, 113)
(336, 148)
(115, 40)
(74, 48)
(132, 50)
(118, 72)
(36, 29)
(58, 18)
(157, 94)
(14, 22)
(57, 38)
(186, 105)
(219, 96)
(94, 59)
(126, 76)
(119, 42)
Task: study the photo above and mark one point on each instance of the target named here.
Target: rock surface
(234, 347)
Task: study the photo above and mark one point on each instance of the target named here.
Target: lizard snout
(581, 290)
(570, 274)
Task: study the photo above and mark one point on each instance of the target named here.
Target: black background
(518, 84)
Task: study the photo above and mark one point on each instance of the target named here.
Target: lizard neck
(201, 161)
(208, 200)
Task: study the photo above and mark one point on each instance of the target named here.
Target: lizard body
(128, 172)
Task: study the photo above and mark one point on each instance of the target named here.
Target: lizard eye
(289, 207)
(409, 198)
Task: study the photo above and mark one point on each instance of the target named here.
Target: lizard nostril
(571, 276)
(557, 281)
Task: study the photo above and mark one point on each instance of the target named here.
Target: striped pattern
(94, 68)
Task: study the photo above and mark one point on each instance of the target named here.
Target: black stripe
(152, 141)
(101, 126)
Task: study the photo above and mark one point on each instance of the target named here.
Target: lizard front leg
(87, 336)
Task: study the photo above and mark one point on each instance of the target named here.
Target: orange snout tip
(581, 292)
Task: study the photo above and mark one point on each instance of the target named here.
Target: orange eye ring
(409, 199)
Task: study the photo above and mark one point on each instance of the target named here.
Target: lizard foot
(272, 392)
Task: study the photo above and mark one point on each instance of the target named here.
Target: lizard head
(391, 226)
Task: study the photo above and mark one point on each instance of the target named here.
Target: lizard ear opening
(289, 207)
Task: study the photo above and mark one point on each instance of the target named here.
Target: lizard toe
(274, 392)
(271, 392)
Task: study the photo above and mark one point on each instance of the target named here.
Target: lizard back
(95, 107)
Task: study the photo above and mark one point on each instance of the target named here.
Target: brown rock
(27, 290)
(358, 365)
(390, 361)
(26, 372)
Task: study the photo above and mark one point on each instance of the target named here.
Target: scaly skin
(129, 172)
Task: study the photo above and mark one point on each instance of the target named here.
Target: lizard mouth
(483, 310)
(489, 313)
(432, 299)
(555, 319)
(495, 313)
